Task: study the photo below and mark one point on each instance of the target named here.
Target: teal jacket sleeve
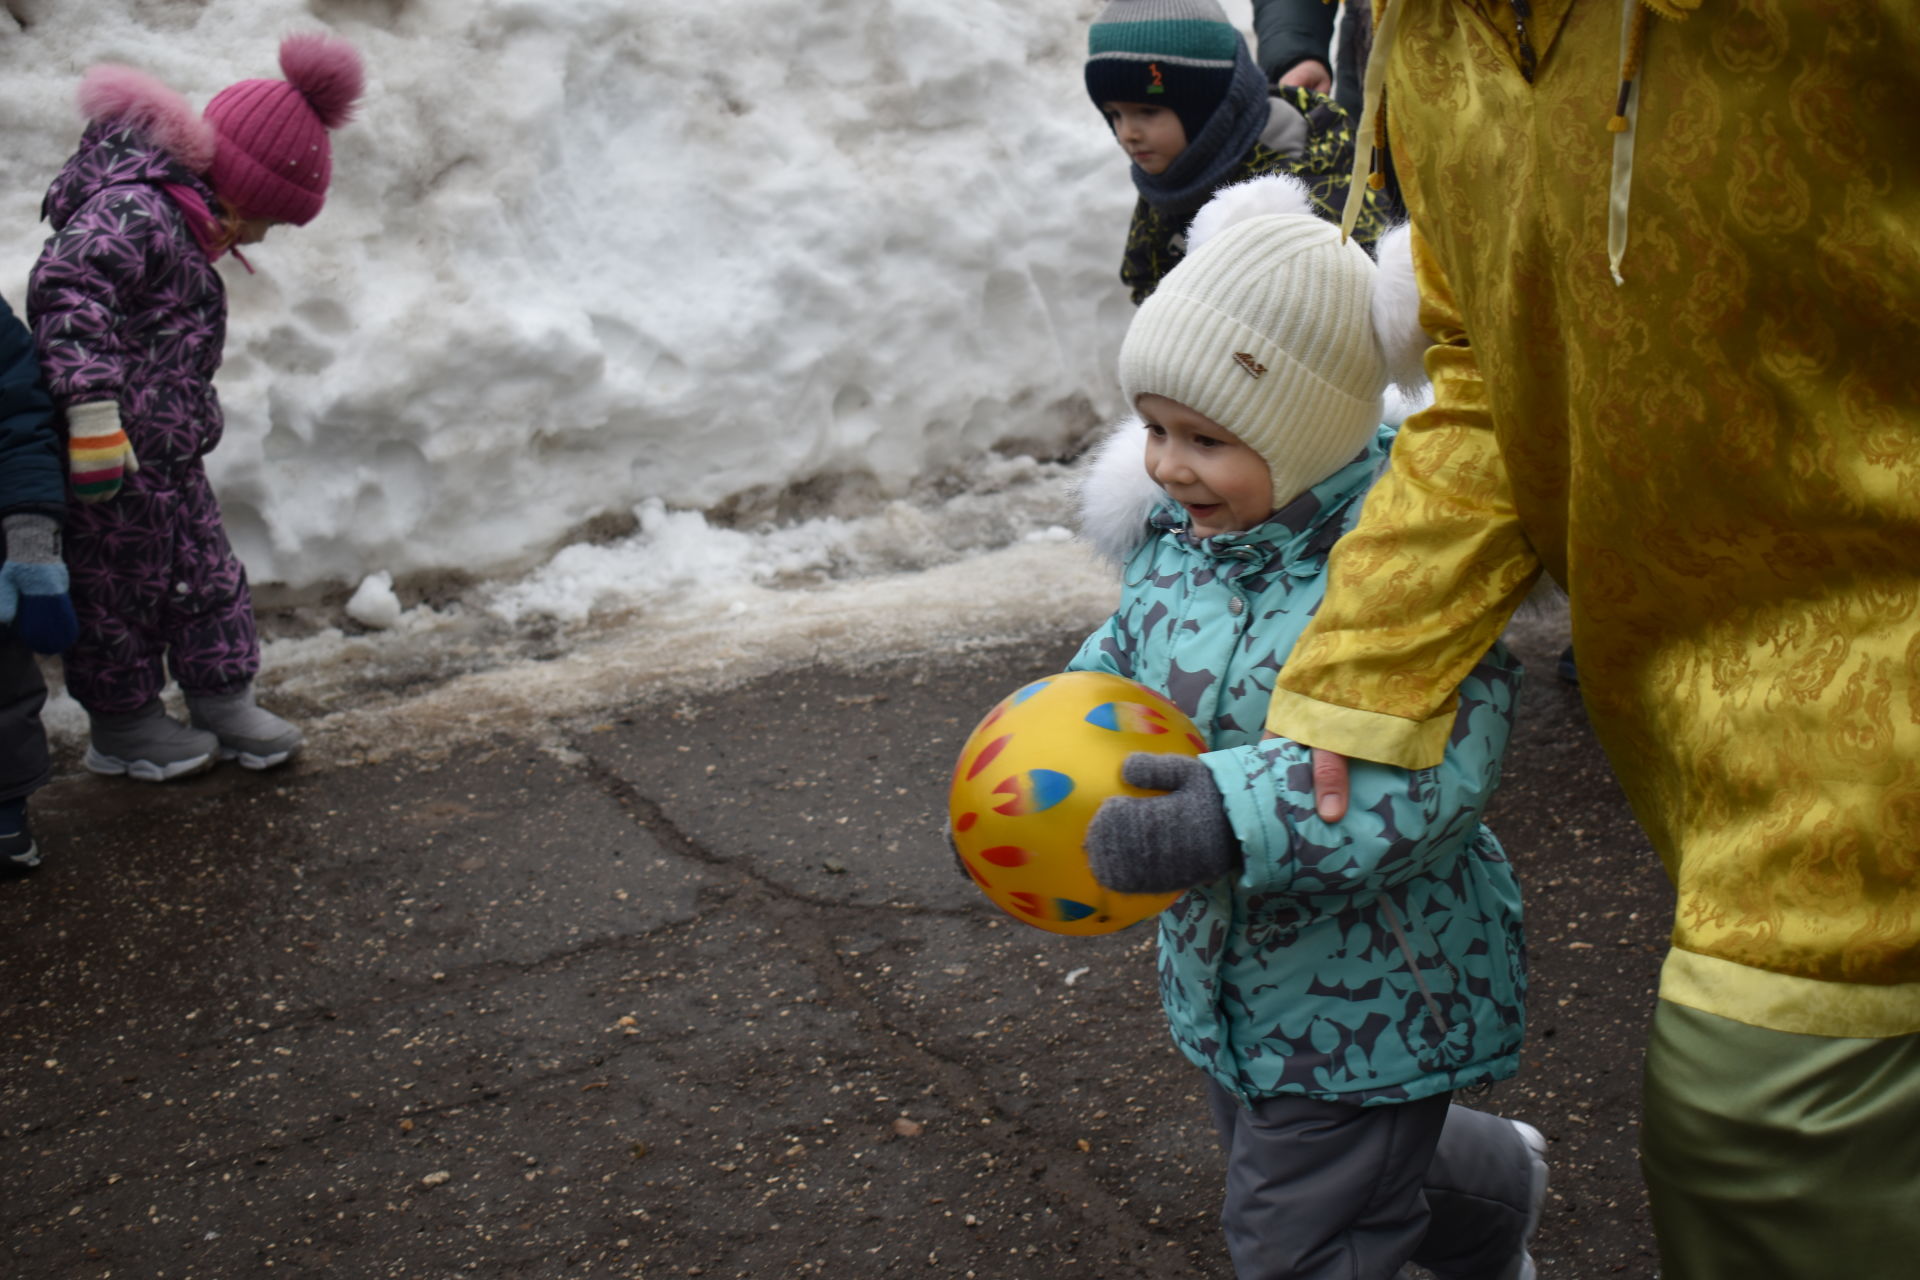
(1400, 823)
(1110, 648)
(1098, 652)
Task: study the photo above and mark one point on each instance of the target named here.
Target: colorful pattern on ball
(986, 757)
(1019, 696)
(1035, 791)
(1062, 910)
(1127, 717)
(1029, 780)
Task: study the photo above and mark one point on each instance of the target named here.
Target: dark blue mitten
(1165, 843)
(33, 585)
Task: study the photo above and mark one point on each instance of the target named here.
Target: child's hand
(98, 455)
(1309, 73)
(33, 585)
(1160, 844)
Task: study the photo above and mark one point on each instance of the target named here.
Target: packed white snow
(374, 604)
(583, 254)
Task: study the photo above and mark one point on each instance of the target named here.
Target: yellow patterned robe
(1719, 458)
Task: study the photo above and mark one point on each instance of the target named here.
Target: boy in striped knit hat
(1187, 103)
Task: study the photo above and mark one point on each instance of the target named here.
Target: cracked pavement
(687, 987)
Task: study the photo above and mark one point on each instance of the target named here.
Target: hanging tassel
(1377, 179)
(1629, 69)
(1633, 31)
(1367, 172)
(1619, 122)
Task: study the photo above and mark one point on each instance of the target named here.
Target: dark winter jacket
(1321, 155)
(33, 474)
(1289, 32)
(1376, 960)
(124, 303)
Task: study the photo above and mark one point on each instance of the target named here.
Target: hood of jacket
(113, 154)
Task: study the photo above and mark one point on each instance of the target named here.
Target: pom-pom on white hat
(1269, 327)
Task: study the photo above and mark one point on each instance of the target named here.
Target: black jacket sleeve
(1286, 32)
(33, 475)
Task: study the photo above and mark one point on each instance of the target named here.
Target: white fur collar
(1113, 492)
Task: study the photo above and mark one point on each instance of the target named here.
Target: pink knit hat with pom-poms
(273, 159)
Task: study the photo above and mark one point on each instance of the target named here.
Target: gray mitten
(1160, 844)
(33, 584)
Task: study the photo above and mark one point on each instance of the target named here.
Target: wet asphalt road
(695, 992)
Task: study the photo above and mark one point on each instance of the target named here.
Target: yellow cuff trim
(1364, 735)
(1783, 1002)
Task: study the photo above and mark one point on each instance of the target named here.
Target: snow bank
(580, 257)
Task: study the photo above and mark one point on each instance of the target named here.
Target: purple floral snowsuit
(125, 306)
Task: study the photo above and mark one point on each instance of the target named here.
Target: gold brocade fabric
(1719, 458)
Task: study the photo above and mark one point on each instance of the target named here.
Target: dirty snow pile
(642, 340)
(584, 255)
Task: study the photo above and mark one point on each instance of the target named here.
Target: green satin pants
(1774, 1156)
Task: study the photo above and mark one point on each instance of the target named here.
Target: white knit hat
(1268, 327)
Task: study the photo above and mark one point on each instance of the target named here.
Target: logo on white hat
(1247, 362)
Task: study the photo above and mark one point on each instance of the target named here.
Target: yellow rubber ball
(1030, 779)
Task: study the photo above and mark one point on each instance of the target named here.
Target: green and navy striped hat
(1178, 54)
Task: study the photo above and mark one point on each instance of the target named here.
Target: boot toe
(143, 768)
(257, 753)
(149, 746)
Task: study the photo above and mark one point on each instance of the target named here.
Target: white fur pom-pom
(1114, 493)
(1256, 197)
(1396, 311)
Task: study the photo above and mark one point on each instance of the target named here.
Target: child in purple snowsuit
(130, 317)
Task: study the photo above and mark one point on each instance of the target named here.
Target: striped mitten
(98, 455)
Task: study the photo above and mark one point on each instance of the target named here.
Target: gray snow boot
(254, 736)
(148, 744)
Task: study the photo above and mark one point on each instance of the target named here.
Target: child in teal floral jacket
(1336, 983)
